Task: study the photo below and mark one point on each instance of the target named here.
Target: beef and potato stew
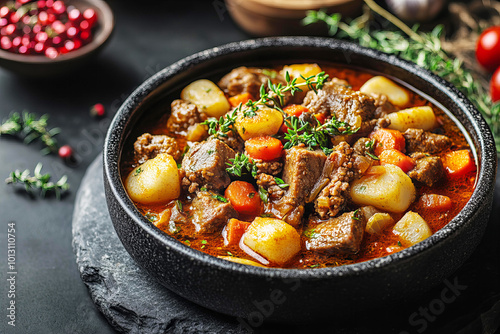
(299, 166)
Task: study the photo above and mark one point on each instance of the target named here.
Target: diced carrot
(395, 157)
(436, 202)
(293, 110)
(320, 117)
(458, 163)
(240, 98)
(386, 139)
(243, 197)
(266, 148)
(233, 231)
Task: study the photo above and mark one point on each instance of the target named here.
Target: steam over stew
(301, 166)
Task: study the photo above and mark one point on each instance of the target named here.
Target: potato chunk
(155, 181)
(417, 118)
(378, 222)
(381, 85)
(207, 97)
(412, 229)
(298, 70)
(267, 121)
(273, 239)
(384, 187)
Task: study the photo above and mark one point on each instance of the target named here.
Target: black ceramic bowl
(254, 293)
(41, 66)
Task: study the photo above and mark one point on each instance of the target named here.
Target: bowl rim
(107, 21)
(484, 183)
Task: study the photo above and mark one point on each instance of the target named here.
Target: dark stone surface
(131, 300)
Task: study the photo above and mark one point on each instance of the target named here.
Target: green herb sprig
(38, 181)
(300, 131)
(422, 48)
(30, 128)
(241, 165)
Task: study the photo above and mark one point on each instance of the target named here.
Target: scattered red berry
(495, 86)
(488, 48)
(45, 27)
(97, 110)
(66, 152)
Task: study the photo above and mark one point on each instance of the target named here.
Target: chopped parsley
(208, 90)
(151, 217)
(373, 156)
(219, 198)
(281, 183)
(179, 205)
(229, 253)
(210, 152)
(263, 195)
(187, 242)
(356, 215)
(311, 234)
(399, 244)
(203, 189)
(251, 195)
(204, 242)
(362, 188)
(314, 265)
(179, 165)
(266, 215)
(138, 171)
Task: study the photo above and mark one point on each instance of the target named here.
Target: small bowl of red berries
(45, 37)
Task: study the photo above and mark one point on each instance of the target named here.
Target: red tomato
(495, 86)
(488, 48)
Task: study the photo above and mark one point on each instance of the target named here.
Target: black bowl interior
(454, 242)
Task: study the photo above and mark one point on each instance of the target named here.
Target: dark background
(149, 36)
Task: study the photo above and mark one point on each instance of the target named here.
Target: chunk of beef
(302, 168)
(234, 141)
(245, 80)
(383, 106)
(210, 214)
(352, 107)
(205, 165)
(338, 172)
(148, 146)
(427, 170)
(339, 235)
(418, 140)
(183, 115)
(268, 182)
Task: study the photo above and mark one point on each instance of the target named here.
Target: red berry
(72, 32)
(25, 40)
(42, 36)
(97, 110)
(78, 44)
(23, 2)
(495, 86)
(51, 52)
(74, 15)
(4, 11)
(8, 30)
(90, 15)
(84, 25)
(23, 49)
(14, 18)
(59, 7)
(65, 152)
(51, 18)
(43, 18)
(41, 4)
(69, 45)
(85, 36)
(39, 47)
(16, 41)
(49, 3)
(3, 22)
(56, 41)
(58, 27)
(37, 28)
(5, 43)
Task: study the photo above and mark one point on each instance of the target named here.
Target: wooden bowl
(40, 65)
(283, 17)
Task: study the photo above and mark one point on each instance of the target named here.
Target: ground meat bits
(184, 114)
(148, 146)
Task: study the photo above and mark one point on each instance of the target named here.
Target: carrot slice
(240, 98)
(458, 163)
(388, 139)
(233, 231)
(266, 148)
(436, 202)
(395, 157)
(243, 197)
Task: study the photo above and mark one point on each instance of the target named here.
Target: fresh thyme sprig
(30, 128)
(241, 165)
(273, 97)
(38, 181)
(422, 48)
(300, 131)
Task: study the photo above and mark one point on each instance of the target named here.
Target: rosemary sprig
(38, 181)
(240, 165)
(30, 128)
(422, 48)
